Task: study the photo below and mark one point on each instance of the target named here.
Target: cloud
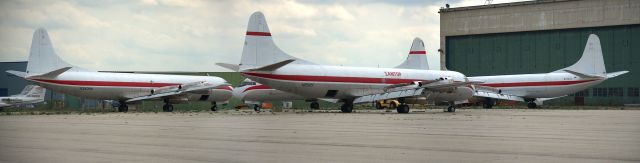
(192, 35)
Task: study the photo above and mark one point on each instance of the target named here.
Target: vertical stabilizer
(259, 49)
(42, 57)
(417, 58)
(33, 91)
(591, 62)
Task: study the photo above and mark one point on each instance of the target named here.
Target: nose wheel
(214, 106)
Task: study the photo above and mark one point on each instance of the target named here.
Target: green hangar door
(550, 50)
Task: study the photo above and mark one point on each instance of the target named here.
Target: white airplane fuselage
(122, 86)
(316, 81)
(544, 85)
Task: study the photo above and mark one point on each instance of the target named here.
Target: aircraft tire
(531, 105)
(451, 109)
(256, 108)
(167, 108)
(314, 105)
(214, 107)
(488, 103)
(346, 108)
(403, 108)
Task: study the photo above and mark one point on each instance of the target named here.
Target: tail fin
(259, 49)
(33, 91)
(417, 58)
(42, 57)
(591, 63)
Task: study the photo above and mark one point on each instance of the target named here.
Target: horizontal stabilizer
(614, 74)
(583, 75)
(233, 67)
(274, 66)
(17, 73)
(51, 74)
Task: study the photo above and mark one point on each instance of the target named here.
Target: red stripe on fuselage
(258, 33)
(106, 83)
(418, 52)
(332, 78)
(257, 87)
(530, 84)
(398, 81)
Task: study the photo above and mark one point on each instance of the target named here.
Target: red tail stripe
(258, 33)
(257, 87)
(106, 83)
(418, 52)
(529, 84)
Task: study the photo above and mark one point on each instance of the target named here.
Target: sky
(193, 35)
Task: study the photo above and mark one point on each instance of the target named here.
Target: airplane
(31, 94)
(262, 61)
(588, 71)
(533, 89)
(254, 93)
(48, 70)
(251, 92)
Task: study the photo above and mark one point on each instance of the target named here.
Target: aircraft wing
(498, 96)
(614, 74)
(449, 85)
(410, 91)
(389, 95)
(185, 89)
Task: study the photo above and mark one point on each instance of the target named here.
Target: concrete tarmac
(431, 136)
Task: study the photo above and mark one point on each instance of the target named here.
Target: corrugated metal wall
(549, 50)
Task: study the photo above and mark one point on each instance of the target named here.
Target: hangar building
(543, 36)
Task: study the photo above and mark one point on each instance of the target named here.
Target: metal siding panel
(545, 51)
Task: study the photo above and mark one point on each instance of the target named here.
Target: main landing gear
(123, 107)
(314, 105)
(488, 103)
(167, 107)
(451, 108)
(347, 107)
(531, 104)
(403, 107)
